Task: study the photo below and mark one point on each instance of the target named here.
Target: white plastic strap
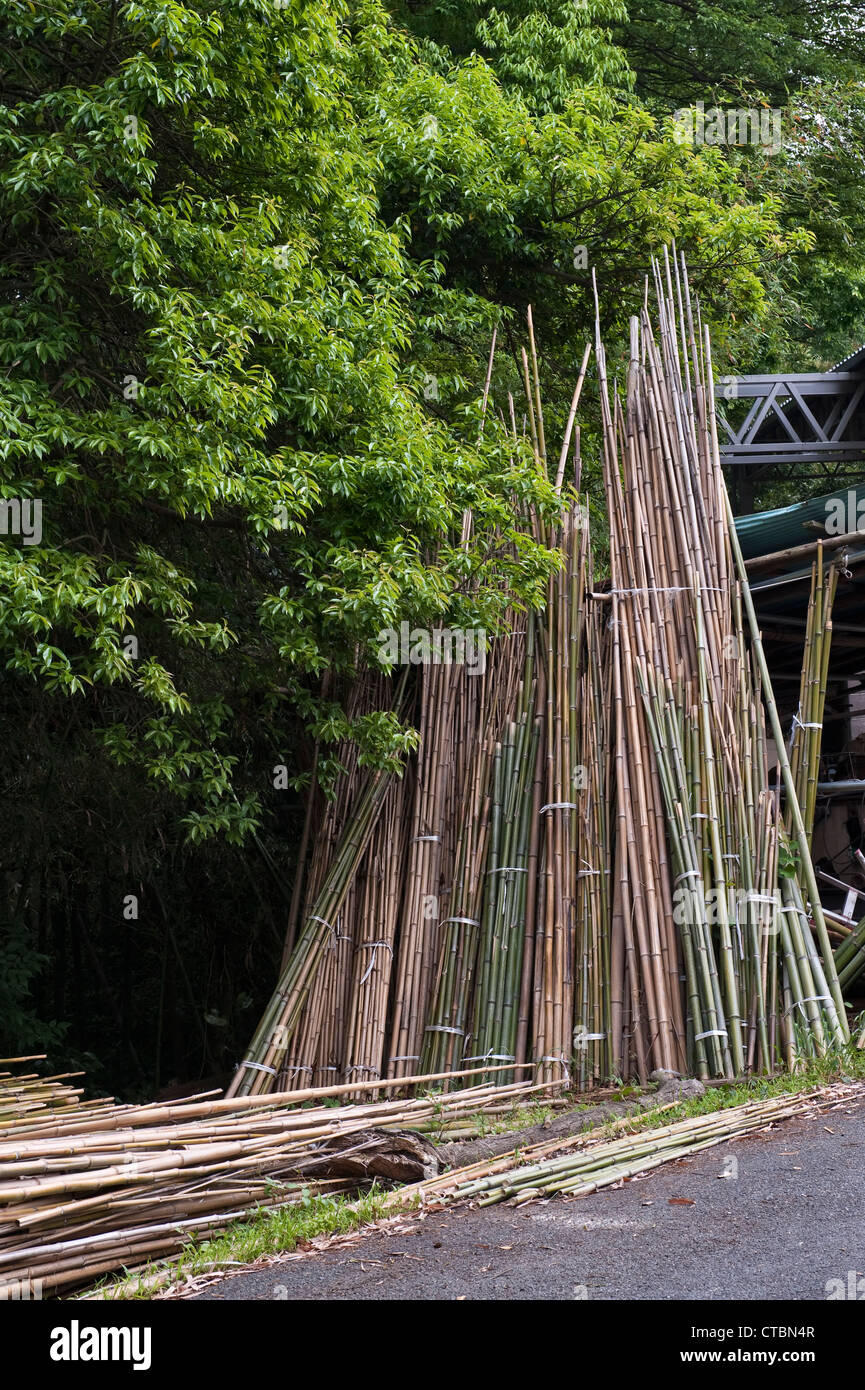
(711, 1033)
(442, 1028)
(559, 806)
(259, 1066)
(812, 999)
(372, 946)
(803, 725)
(562, 1063)
(469, 921)
(678, 589)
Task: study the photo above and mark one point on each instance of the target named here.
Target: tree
(251, 257)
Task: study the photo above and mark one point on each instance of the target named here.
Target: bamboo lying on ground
(587, 1162)
(79, 1199)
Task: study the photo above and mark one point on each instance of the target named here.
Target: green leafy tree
(251, 258)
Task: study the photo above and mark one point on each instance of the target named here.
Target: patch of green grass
(847, 1064)
(269, 1231)
(522, 1117)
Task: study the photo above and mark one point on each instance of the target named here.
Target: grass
(269, 1231)
(847, 1064)
(282, 1229)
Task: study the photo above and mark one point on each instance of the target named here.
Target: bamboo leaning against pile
(586, 868)
(464, 893)
(710, 880)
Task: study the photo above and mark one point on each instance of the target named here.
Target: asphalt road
(772, 1217)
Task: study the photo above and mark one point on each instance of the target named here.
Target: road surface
(778, 1216)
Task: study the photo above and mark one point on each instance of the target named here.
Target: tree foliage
(252, 253)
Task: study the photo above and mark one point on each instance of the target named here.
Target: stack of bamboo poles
(597, 974)
(703, 875)
(589, 871)
(807, 733)
(484, 890)
(850, 956)
(28, 1100)
(587, 1162)
(446, 707)
(87, 1188)
(456, 937)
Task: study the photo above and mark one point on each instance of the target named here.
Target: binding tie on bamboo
(665, 589)
(560, 1061)
(801, 723)
(559, 806)
(373, 946)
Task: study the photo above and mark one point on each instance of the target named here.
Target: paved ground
(790, 1218)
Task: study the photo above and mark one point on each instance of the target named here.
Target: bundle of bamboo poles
(807, 733)
(849, 957)
(586, 868)
(587, 1162)
(453, 923)
(89, 1188)
(705, 875)
(28, 1100)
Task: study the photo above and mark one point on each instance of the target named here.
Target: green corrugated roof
(762, 533)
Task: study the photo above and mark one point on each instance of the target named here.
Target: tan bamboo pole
(799, 832)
